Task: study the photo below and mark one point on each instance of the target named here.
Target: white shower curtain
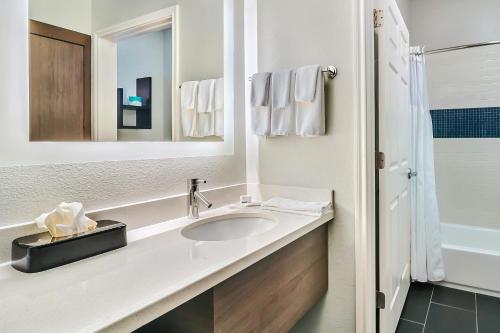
(426, 253)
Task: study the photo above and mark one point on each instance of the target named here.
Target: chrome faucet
(193, 196)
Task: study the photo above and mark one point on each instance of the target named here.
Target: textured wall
(26, 191)
(285, 41)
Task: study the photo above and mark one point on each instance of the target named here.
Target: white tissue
(66, 220)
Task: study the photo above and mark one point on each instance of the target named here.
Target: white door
(392, 40)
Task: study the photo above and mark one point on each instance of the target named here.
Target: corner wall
(292, 34)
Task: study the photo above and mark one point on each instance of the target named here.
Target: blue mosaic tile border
(466, 123)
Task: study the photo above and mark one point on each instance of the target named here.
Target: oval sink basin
(227, 227)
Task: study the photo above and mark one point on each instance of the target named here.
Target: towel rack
(331, 72)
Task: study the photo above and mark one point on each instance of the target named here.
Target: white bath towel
(310, 115)
(283, 106)
(189, 94)
(281, 87)
(305, 86)
(206, 96)
(219, 107)
(298, 207)
(259, 95)
(261, 108)
(205, 107)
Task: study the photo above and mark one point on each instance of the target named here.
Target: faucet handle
(196, 181)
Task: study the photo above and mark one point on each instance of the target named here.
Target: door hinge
(380, 160)
(378, 18)
(380, 299)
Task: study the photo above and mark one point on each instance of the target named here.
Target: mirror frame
(14, 138)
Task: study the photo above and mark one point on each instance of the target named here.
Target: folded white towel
(281, 86)
(66, 220)
(219, 107)
(206, 96)
(298, 207)
(310, 115)
(305, 86)
(219, 94)
(189, 92)
(259, 95)
(189, 95)
(283, 105)
(205, 107)
(261, 120)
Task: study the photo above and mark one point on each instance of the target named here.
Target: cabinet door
(273, 294)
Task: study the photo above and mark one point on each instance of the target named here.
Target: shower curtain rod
(461, 47)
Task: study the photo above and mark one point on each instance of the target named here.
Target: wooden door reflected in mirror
(60, 84)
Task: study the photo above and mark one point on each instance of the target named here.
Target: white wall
(443, 23)
(69, 14)
(467, 185)
(291, 34)
(145, 56)
(28, 190)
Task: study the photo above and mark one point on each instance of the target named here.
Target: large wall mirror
(111, 70)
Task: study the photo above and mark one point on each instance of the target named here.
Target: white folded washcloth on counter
(298, 207)
(65, 220)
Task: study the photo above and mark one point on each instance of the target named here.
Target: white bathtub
(471, 256)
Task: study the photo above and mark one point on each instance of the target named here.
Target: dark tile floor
(437, 309)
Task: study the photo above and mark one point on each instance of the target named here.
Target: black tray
(40, 252)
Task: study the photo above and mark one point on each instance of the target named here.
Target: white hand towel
(259, 101)
(305, 87)
(283, 106)
(310, 116)
(189, 95)
(189, 92)
(66, 220)
(219, 94)
(219, 107)
(206, 109)
(259, 95)
(281, 85)
(298, 207)
(206, 96)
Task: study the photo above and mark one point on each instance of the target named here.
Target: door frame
(54, 32)
(365, 207)
(104, 116)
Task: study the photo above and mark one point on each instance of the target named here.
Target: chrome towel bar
(330, 71)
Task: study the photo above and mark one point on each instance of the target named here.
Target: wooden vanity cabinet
(269, 296)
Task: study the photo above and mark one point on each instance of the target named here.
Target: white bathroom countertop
(124, 289)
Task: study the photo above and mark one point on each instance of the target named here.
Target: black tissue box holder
(40, 252)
